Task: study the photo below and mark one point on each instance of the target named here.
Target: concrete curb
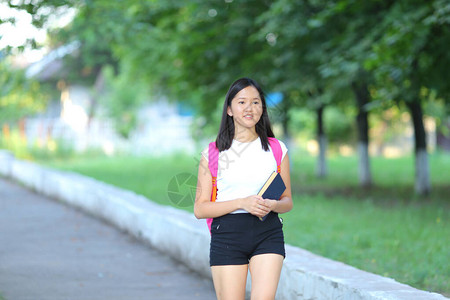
(180, 235)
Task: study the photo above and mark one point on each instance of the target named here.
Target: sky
(16, 35)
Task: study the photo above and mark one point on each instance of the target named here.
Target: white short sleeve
(205, 153)
(284, 149)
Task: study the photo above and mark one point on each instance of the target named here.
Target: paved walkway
(51, 251)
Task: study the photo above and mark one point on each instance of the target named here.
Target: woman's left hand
(268, 204)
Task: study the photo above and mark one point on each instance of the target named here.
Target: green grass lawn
(385, 230)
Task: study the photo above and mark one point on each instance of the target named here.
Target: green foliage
(311, 51)
(201, 132)
(122, 99)
(339, 125)
(41, 10)
(303, 46)
(184, 49)
(437, 108)
(36, 150)
(302, 123)
(411, 53)
(19, 96)
(316, 53)
(54, 149)
(94, 29)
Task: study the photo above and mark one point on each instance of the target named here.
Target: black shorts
(236, 238)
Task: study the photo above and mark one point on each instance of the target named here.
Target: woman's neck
(245, 135)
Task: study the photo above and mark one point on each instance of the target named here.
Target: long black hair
(226, 131)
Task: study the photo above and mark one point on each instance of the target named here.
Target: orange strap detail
(278, 169)
(214, 194)
(214, 190)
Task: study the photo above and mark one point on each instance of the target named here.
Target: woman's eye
(241, 102)
(255, 102)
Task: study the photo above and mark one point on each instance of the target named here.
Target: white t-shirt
(243, 169)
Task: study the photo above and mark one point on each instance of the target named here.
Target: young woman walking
(240, 241)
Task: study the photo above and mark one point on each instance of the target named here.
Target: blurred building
(69, 120)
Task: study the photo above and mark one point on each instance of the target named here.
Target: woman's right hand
(255, 205)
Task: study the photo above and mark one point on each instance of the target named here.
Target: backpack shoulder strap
(213, 165)
(213, 159)
(277, 151)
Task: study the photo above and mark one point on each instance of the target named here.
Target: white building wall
(161, 129)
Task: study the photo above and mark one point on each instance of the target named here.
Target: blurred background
(358, 90)
(149, 77)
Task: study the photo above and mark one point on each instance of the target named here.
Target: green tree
(412, 55)
(317, 53)
(122, 99)
(291, 58)
(192, 49)
(19, 96)
(351, 29)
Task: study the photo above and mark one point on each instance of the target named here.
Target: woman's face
(246, 108)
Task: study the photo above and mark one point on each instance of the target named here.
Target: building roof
(51, 64)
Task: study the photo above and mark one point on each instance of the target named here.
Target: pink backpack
(213, 157)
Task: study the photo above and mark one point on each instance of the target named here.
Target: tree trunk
(362, 97)
(321, 170)
(99, 86)
(422, 182)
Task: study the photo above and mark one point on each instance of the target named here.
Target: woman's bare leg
(265, 270)
(230, 281)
